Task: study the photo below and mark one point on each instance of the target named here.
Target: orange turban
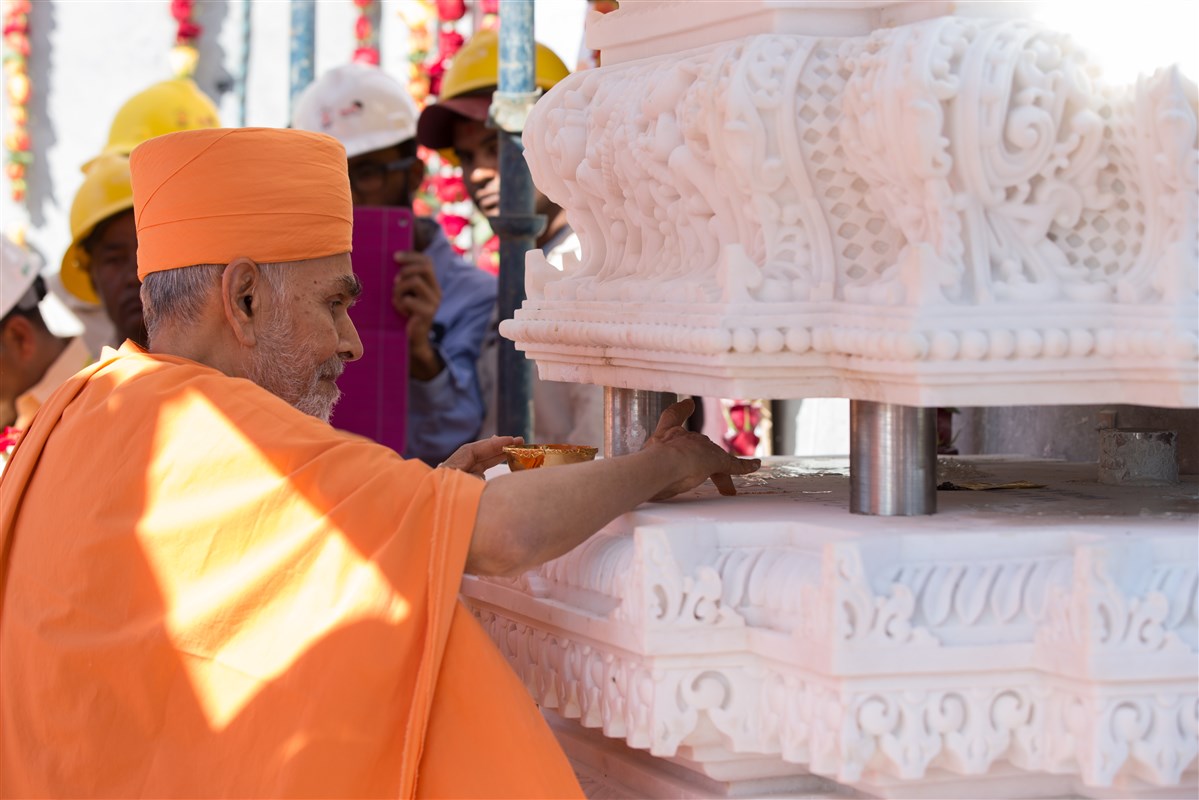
(211, 196)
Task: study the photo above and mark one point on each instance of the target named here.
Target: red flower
(366, 55)
(363, 3)
(488, 263)
(187, 31)
(744, 418)
(450, 10)
(9, 437)
(181, 9)
(453, 224)
(421, 208)
(449, 42)
(450, 189)
(744, 443)
(489, 6)
(18, 43)
(362, 28)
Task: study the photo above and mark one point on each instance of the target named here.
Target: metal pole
(243, 64)
(892, 459)
(517, 224)
(303, 48)
(374, 13)
(630, 416)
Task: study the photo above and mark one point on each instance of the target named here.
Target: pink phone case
(374, 401)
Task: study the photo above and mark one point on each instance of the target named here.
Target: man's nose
(481, 174)
(350, 346)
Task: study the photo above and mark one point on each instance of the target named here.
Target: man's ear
(18, 337)
(416, 175)
(242, 298)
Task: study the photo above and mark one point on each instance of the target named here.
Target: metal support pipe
(303, 49)
(517, 224)
(630, 416)
(892, 459)
(374, 14)
(242, 62)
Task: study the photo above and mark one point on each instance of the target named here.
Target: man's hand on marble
(698, 457)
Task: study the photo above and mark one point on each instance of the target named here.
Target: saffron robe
(207, 593)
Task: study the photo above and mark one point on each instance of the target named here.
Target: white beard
(282, 365)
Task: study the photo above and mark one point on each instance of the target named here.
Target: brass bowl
(532, 456)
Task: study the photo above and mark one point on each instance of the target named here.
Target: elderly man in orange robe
(207, 591)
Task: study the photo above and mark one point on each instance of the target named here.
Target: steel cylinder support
(892, 459)
(517, 224)
(630, 416)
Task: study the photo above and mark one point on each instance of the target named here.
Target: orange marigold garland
(17, 88)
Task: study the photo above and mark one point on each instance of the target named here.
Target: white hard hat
(18, 271)
(360, 105)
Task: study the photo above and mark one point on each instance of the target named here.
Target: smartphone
(374, 399)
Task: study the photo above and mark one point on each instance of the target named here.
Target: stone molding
(954, 211)
(873, 661)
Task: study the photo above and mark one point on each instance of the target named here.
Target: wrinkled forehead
(327, 274)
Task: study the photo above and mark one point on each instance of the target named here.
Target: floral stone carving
(954, 211)
(890, 655)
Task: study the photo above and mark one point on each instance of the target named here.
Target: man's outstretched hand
(695, 457)
(478, 457)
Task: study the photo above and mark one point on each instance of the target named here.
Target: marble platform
(1029, 642)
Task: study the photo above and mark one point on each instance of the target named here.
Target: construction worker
(34, 360)
(562, 412)
(447, 301)
(100, 266)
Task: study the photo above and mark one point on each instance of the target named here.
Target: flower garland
(8, 440)
(18, 88)
(442, 195)
(184, 54)
(366, 50)
(747, 423)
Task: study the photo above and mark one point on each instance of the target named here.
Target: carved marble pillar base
(1031, 642)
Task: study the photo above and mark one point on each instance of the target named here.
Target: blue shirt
(447, 411)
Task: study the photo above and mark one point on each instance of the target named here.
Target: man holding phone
(448, 302)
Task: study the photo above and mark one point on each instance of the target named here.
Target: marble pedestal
(1035, 642)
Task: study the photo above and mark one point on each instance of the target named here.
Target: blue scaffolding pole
(517, 224)
(303, 49)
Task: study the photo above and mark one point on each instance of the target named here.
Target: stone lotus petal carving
(940, 213)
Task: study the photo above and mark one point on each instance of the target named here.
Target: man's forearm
(527, 518)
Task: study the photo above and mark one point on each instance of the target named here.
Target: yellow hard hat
(166, 107)
(107, 190)
(476, 70)
(477, 66)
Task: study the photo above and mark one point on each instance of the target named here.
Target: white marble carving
(975, 653)
(954, 211)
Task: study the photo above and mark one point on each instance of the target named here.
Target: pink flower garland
(184, 54)
(365, 52)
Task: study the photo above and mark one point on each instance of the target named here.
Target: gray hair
(177, 296)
